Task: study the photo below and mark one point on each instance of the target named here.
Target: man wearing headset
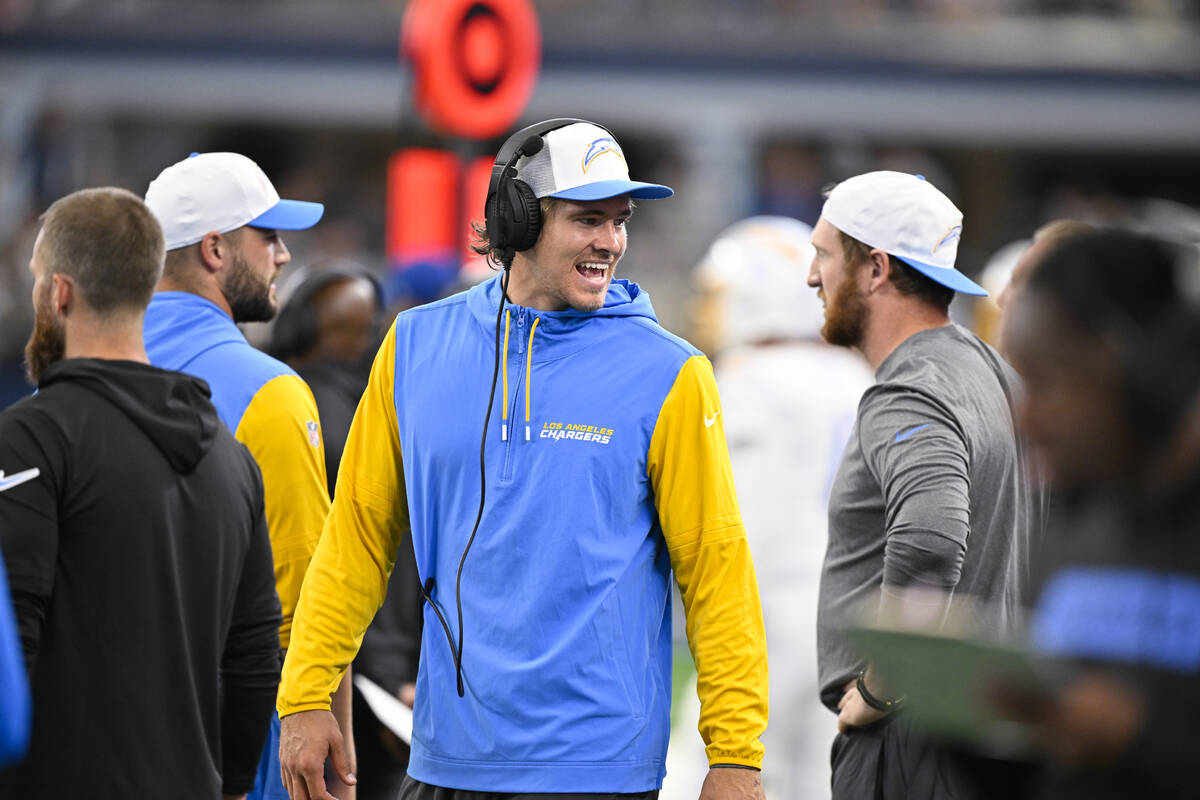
(545, 549)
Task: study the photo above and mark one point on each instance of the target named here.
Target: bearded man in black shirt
(132, 525)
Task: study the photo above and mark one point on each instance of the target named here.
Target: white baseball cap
(221, 192)
(582, 161)
(905, 216)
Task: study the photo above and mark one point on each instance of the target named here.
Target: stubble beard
(573, 299)
(591, 303)
(48, 342)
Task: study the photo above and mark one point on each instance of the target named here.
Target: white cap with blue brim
(221, 192)
(583, 162)
(905, 216)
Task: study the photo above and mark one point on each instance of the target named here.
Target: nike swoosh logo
(900, 437)
(710, 421)
(17, 479)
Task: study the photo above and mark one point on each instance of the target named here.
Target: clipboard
(391, 713)
(948, 681)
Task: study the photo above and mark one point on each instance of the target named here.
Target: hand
(305, 739)
(1093, 721)
(853, 711)
(407, 694)
(233, 797)
(731, 783)
(1090, 722)
(336, 788)
(342, 708)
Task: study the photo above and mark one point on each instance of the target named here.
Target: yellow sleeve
(693, 488)
(348, 576)
(281, 429)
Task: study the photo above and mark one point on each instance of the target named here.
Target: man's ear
(62, 294)
(214, 251)
(880, 270)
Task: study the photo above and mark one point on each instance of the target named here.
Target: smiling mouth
(593, 273)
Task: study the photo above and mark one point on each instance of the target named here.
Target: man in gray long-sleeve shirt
(932, 493)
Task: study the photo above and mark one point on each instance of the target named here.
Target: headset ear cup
(512, 214)
(492, 219)
(527, 216)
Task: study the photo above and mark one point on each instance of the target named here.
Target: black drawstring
(426, 592)
(427, 588)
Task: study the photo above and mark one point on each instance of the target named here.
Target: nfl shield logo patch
(314, 434)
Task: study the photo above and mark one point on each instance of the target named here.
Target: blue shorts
(268, 784)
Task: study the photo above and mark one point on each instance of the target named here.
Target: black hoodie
(132, 526)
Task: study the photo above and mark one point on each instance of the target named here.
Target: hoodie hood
(533, 337)
(171, 408)
(624, 299)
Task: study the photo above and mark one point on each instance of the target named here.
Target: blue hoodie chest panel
(565, 592)
(187, 333)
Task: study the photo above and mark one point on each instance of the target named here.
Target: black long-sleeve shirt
(143, 584)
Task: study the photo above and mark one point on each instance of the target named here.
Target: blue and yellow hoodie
(606, 468)
(269, 408)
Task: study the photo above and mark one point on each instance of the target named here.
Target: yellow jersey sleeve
(347, 579)
(282, 430)
(692, 479)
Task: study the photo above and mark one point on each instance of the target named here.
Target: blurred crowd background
(1022, 111)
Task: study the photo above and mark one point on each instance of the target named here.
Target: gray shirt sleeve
(917, 451)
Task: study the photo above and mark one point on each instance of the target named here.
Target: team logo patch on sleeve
(314, 433)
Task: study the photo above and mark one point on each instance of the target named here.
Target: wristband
(886, 706)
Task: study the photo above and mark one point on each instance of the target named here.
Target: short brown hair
(109, 242)
(907, 280)
(854, 252)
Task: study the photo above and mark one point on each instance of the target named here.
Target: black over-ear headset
(513, 217)
(512, 213)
